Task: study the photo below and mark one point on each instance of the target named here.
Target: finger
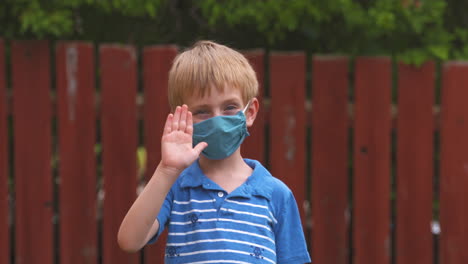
(189, 128)
(175, 120)
(168, 125)
(200, 147)
(183, 118)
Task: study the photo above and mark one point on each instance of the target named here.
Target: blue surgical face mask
(224, 134)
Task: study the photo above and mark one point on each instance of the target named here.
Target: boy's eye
(200, 112)
(231, 109)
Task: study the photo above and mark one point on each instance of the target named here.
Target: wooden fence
(370, 170)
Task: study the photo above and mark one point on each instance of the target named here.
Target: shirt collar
(193, 177)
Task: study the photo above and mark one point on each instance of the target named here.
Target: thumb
(200, 147)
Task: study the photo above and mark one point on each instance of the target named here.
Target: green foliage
(59, 18)
(412, 30)
(272, 18)
(461, 35)
(39, 20)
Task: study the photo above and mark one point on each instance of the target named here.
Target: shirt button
(220, 194)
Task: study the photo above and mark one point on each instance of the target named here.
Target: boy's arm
(177, 153)
(290, 240)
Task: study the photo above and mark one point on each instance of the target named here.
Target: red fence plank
(157, 62)
(454, 165)
(330, 160)
(287, 141)
(415, 137)
(4, 232)
(254, 146)
(371, 236)
(32, 142)
(77, 136)
(119, 141)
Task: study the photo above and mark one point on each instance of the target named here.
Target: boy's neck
(228, 173)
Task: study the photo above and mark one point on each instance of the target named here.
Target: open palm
(176, 143)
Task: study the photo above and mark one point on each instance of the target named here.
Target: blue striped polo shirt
(258, 222)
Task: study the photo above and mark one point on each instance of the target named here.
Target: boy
(218, 207)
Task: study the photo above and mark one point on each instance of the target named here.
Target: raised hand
(177, 151)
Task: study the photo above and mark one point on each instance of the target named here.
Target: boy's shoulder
(264, 182)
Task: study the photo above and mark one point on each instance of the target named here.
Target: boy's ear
(251, 112)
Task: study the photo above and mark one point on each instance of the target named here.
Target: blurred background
(363, 115)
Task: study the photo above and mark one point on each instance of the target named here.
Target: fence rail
(370, 170)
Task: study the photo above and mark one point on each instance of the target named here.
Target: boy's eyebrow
(227, 101)
(200, 106)
(233, 100)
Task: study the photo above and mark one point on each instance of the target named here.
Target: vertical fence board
(77, 136)
(287, 155)
(119, 141)
(32, 142)
(157, 62)
(454, 165)
(254, 146)
(371, 197)
(415, 135)
(329, 196)
(4, 233)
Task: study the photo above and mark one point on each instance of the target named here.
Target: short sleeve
(163, 217)
(291, 245)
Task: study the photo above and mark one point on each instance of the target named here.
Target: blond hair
(208, 64)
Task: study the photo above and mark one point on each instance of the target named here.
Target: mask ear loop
(246, 107)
